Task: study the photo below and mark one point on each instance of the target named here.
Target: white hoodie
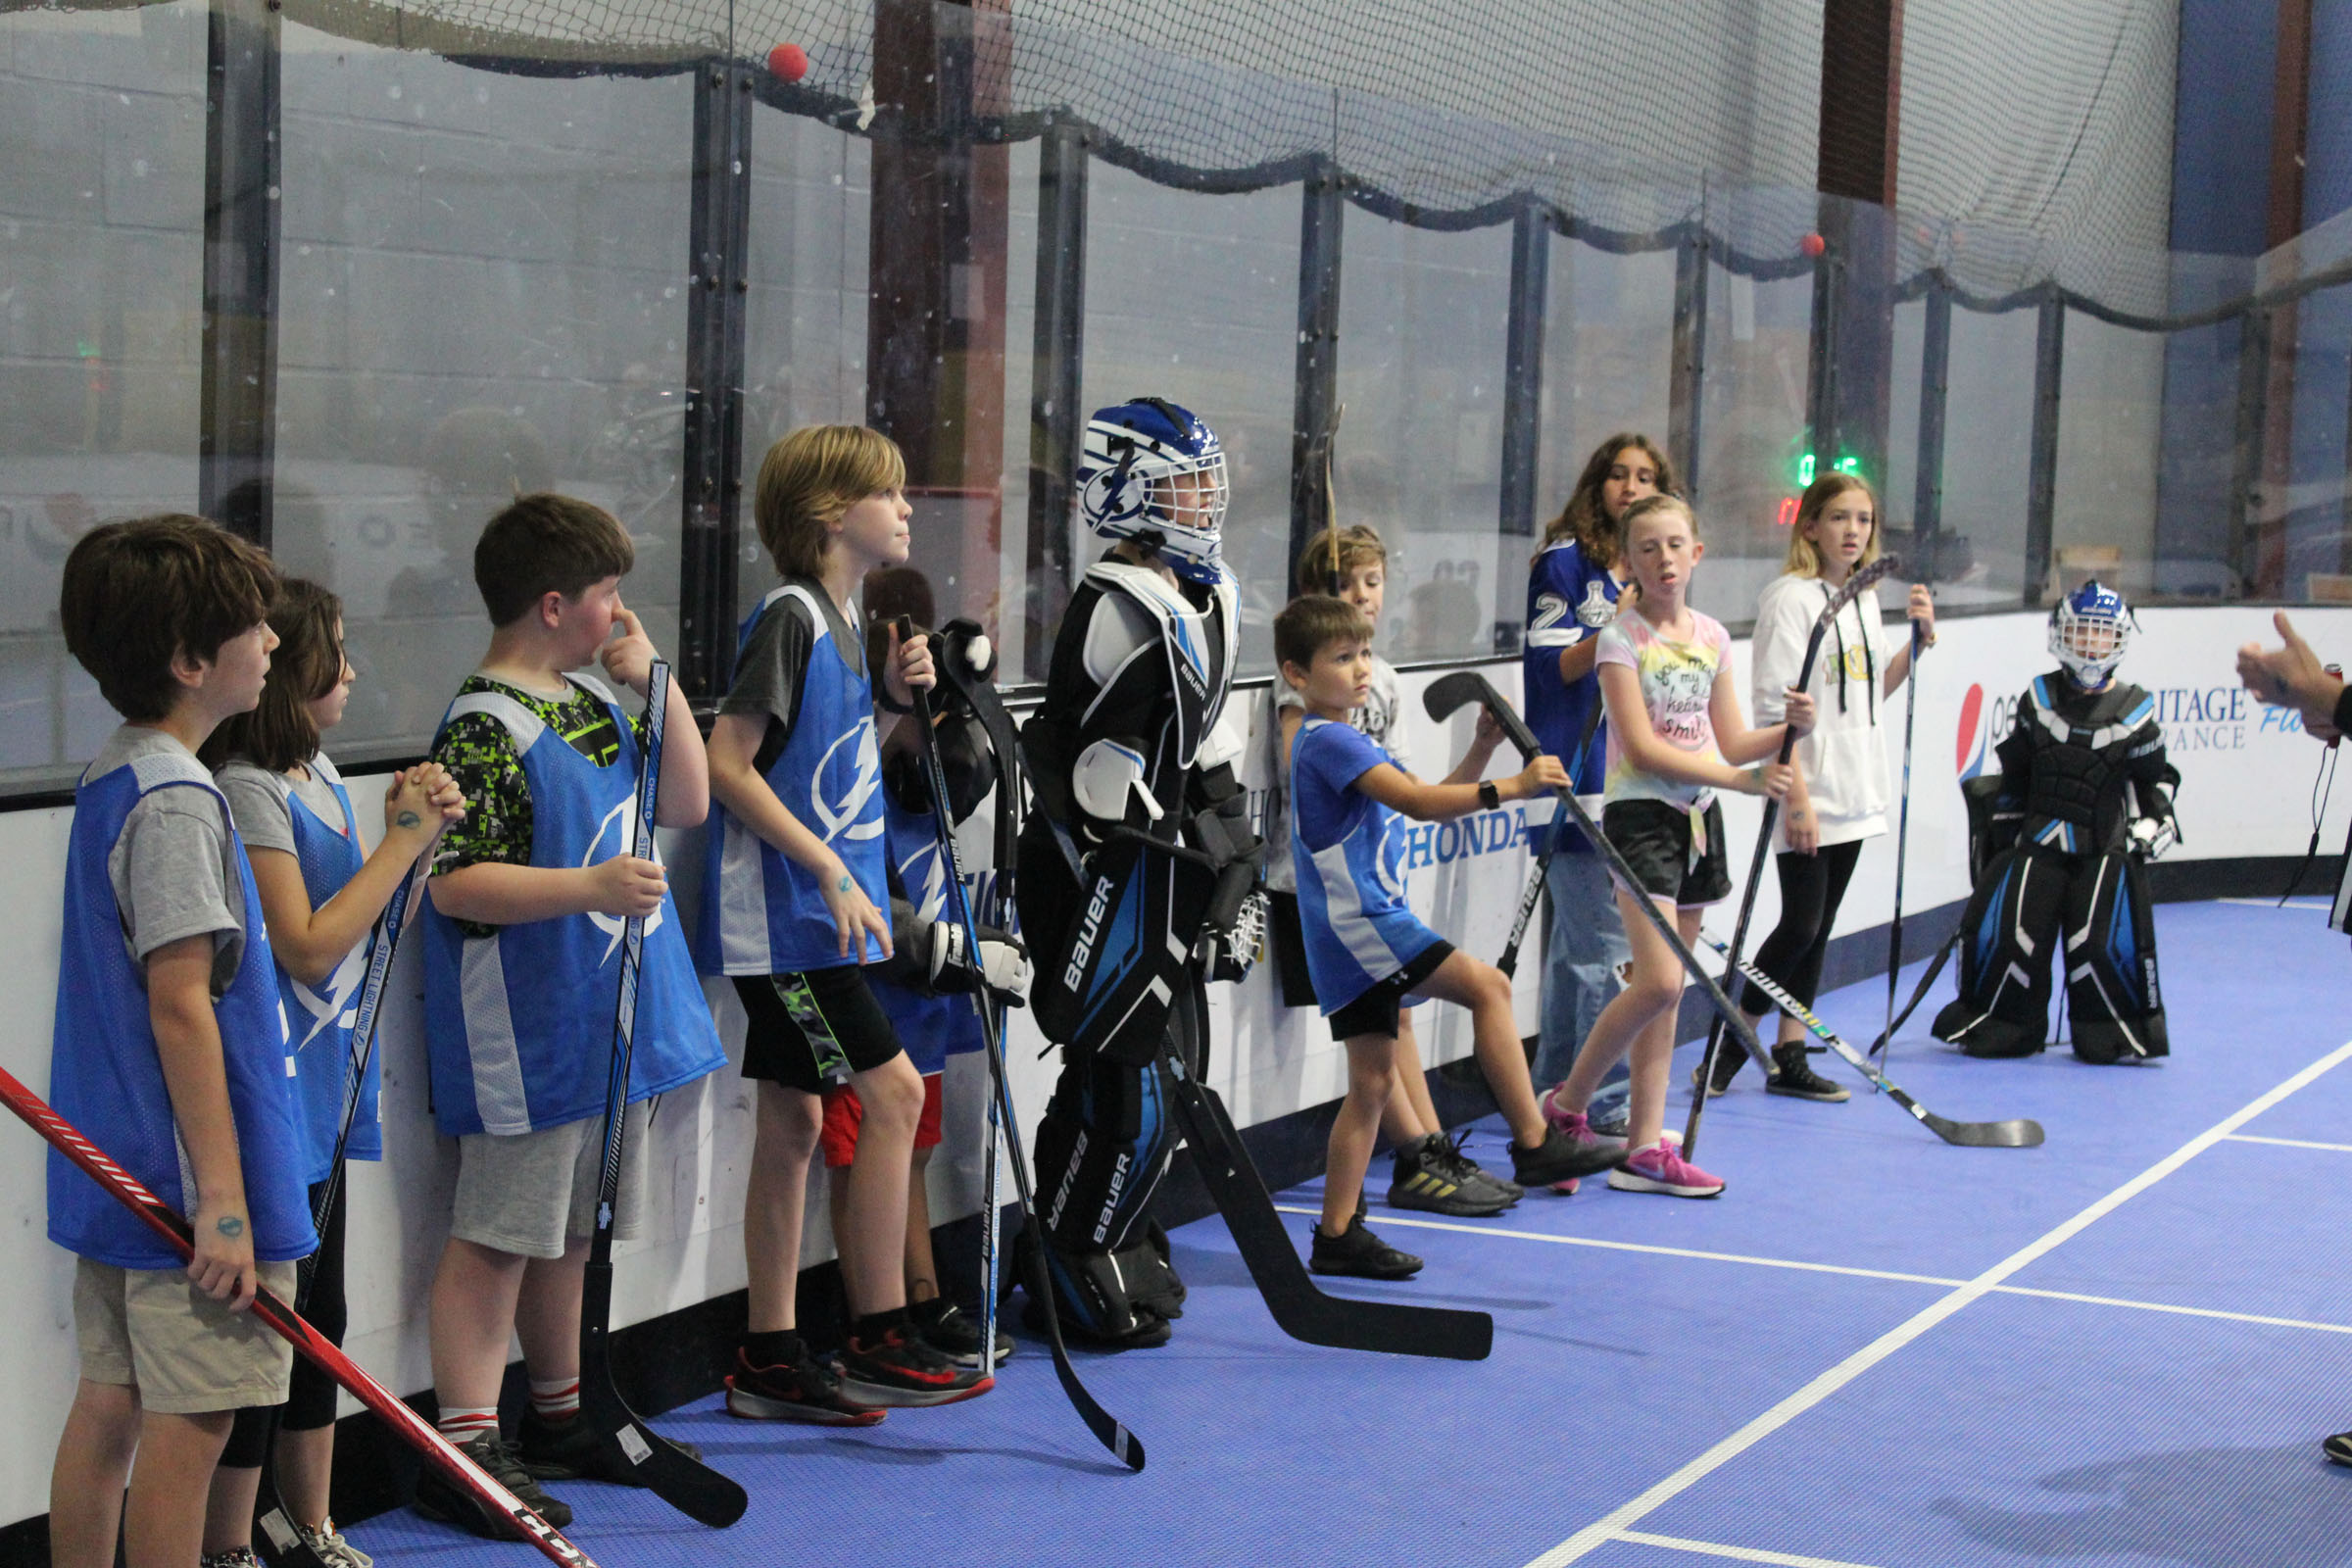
(1844, 757)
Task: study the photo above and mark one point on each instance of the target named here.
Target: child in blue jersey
(1365, 948)
(1573, 587)
(529, 897)
(793, 908)
(320, 893)
(1676, 736)
(169, 1053)
(1429, 1171)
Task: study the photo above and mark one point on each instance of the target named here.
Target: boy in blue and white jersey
(1365, 948)
(796, 904)
(527, 902)
(170, 1051)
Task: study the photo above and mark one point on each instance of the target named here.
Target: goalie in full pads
(1139, 861)
(2059, 842)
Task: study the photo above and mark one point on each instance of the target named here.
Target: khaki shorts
(524, 1193)
(188, 1354)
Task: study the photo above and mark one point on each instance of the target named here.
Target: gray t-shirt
(775, 660)
(262, 802)
(172, 867)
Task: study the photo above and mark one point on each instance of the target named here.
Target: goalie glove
(1003, 965)
(2151, 836)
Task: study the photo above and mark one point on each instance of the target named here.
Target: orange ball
(788, 61)
(1813, 245)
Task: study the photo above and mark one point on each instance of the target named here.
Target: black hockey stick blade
(2016, 1132)
(1300, 1309)
(1919, 992)
(629, 1450)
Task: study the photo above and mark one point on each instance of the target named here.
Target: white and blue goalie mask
(2089, 629)
(1154, 472)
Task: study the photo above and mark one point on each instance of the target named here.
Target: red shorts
(843, 1114)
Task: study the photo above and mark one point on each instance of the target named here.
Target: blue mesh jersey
(1348, 851)
(107, 1078)
(763, 912)
(518, 1023)
(1568, 601)
(931, 1028)
(322, 1020)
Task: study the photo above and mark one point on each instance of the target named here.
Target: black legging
(310, 1402)
(1812, 886)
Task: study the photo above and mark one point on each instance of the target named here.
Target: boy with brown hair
(1364, 945)
(529, 895)
(1428, 1170)
(169, 1049)
(796, 904)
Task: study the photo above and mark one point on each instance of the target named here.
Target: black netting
(2035, 140)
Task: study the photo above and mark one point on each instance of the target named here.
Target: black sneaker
(2338, 1448)
(1430, 1176)
(1357, 1251)
(438, 1497)
(807, 1390)
(1477, 1175)
(898, 1368)
(1797, 1079)
(954, 1333)
(1561, 1158)
(568, 1451)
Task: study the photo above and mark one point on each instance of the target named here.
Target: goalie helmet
(1154, 472)
(2088, 630)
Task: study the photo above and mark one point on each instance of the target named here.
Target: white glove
(2151, 836)
(1003, 961)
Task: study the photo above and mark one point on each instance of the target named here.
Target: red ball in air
(788, 61)
(1813, 245)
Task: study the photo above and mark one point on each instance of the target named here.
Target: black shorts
(1375, 1012)
(815, 1028)
(1654, 837)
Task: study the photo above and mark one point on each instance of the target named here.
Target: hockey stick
(2018, 1132)
(625, 1444)
(1300, 1309)
(989, 707)
(1902, 838)
(1919, 992)
(1508, 964)
(1124, 1445)
(405, 1424)
(1857, 582)
(281, 1544)
(1465, 686)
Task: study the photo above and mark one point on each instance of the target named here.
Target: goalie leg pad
(2112, 998)
(1107, 987)
(1101, 1148)
(2008, 934)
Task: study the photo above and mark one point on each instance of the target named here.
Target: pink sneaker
(1661, 1168)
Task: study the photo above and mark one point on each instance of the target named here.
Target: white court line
(1643, 1247)
(1643, 1538)
(1626, 1515)
(2291, 1143)
(2273, 904)
(1857, 1273)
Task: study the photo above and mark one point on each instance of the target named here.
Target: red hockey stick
(406, 1423)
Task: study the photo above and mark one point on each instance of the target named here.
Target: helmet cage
(2089, 630)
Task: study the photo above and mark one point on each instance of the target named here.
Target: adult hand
(2291, 676)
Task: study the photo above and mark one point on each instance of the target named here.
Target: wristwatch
(1489, 797)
